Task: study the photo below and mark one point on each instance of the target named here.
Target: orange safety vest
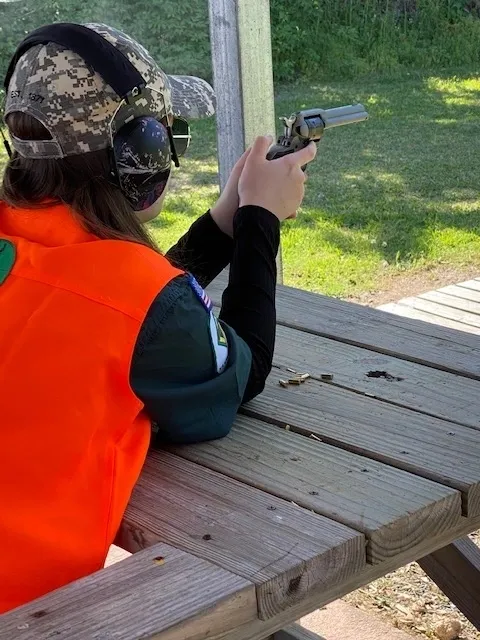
(73, 436)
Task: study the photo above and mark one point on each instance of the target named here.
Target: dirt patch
(393, 287)
(409, 600)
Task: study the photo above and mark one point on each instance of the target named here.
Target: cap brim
(192, 97)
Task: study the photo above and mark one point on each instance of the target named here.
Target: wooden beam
(456, 570)
(227, 82)
(256, 71)
(243, 77)
(295, 632)
(240, 39)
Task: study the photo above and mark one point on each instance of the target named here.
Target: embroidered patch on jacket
(7, 259)
(200, 293)
(221, 335)
(219, 343)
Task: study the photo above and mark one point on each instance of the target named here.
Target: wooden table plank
(382, 332)
(257, 630)
(159, 591)
(429, 447)
(400, 382)
(393, 508)
(284, 550)
(456, 570)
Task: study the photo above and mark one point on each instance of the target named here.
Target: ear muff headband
(108, 61)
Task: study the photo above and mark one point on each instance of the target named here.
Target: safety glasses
(181, 135)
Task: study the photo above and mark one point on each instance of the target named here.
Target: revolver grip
(278, 150)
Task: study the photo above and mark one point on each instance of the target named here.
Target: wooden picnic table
(320, 488)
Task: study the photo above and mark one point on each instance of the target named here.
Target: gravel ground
(409, 600)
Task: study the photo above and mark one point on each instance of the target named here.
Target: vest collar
(51, 226)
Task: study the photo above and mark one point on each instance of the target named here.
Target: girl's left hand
(226, 206)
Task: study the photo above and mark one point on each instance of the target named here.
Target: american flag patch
(200, 293)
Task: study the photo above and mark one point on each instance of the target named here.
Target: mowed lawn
(397, 194)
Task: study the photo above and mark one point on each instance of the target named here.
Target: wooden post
(254, 37)
(227, 83)
(240, 39)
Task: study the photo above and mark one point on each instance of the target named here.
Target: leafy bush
(310, 38)
(313, 38)
(176, 32)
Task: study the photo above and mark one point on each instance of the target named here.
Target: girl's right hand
(276, 185)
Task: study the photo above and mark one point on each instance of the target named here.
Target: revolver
(304, 126)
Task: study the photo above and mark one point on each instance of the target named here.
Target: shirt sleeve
(189, 369)
(204, 250)
(248, 302)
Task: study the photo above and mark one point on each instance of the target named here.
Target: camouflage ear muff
(142, 147)
(141, 151)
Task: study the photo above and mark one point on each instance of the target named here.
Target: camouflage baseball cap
(76, 105)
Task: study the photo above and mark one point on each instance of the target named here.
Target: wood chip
(283, 383)
(294, 381)
(291, 370)
(326, 376)
(314, 437)
(402, 609)
(304, 376)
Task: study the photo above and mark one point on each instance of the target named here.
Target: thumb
(241, 161)
(305, 155)
(260, 148)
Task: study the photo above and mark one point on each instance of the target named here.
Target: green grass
(396, 194)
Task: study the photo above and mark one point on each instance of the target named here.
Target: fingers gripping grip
(279, 150)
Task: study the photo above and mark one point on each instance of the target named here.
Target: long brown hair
(78, 181)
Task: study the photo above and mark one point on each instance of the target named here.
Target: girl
(101, 336)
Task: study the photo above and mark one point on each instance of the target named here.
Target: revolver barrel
(311, 123)
(338, 116)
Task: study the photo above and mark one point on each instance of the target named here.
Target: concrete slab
(341, 621)
(116, 554)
